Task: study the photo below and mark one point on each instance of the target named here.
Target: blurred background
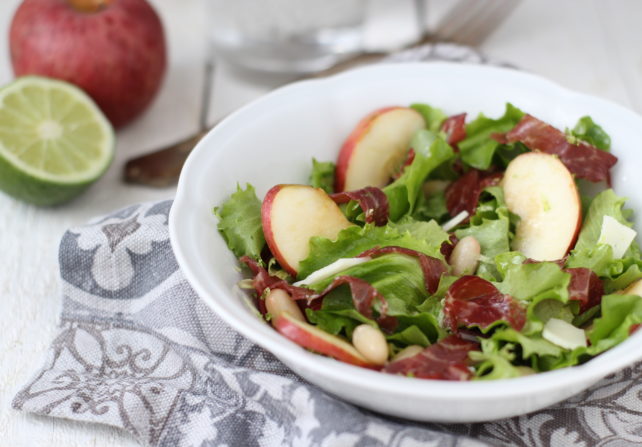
(590, 46)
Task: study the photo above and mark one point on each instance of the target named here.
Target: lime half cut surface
(54, 141)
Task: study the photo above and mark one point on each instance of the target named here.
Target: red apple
(291, 215)
(112, 49)
(542, 192)
(315, 339)
(376, 148)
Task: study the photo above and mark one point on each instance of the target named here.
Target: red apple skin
(116, 54)
(266, 209)
(350, 143)
(326, 224)
(315, 339)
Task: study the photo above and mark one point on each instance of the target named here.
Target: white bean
(407, 352)
(279, 301)
(371, 343)
(465, 256)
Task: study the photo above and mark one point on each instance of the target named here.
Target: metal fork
(469, 22)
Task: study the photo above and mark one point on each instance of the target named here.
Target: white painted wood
(590, 46)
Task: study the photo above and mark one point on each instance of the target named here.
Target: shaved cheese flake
(452, 223)
(617, 235)
(564, 334)
(331, 269)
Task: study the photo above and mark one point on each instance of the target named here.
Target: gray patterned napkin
(137, 349)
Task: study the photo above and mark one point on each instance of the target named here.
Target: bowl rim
(264, 335)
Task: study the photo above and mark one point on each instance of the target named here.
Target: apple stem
(89, 5)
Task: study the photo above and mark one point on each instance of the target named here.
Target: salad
(444, 248)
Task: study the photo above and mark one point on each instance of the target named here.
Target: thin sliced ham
(583, 160)
(445, 360)
(454, 128)
(473, 301)
(585, 287)
(463, 194)
(363, 294)
(373, 201)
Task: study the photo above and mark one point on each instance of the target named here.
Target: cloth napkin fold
(137, 349)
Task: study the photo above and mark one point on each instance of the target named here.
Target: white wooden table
(590, 46)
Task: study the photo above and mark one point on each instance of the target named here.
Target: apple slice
(376, 148)
(310, 337)
(541, 191)
(291, 215)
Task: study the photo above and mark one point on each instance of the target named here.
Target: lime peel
(54, 140)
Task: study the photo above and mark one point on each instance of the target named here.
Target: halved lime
(54, 141)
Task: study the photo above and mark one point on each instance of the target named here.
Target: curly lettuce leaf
(431, 150)
(322, 175)
(417, 329)
(478, 149)
(433, 116)
(239, 222)
(491, 226)
(431, 207)
(540, 280)
(616, 273)
(587, 130)
(619, 314)
(337, 314)
(400, 280)
(606, 203)
(505, 153)
(425, 237)
(494, 362)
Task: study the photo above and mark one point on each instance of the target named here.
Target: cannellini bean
(465, 256)
(407, 352)
(433, 186)
(279, 301)
(371, 343)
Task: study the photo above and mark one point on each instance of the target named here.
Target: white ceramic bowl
(273, 139)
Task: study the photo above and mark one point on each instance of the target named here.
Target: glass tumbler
(285, 36)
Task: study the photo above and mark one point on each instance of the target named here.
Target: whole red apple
(112, 49)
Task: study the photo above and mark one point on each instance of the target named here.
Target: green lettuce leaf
(478, 149)
(619, 313)
(543, 289)
(431, 150)
(337, 314)
(616, 273)
(494, 362)
(530, 345)
(433, 116)
(528, 282)
(587, 130)
(400, 280)
(606, 203)
(239, 222)
(425, 237)
(505, 153)
(491, 226)
(397, 277)
(431, 207)
(322, 175)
